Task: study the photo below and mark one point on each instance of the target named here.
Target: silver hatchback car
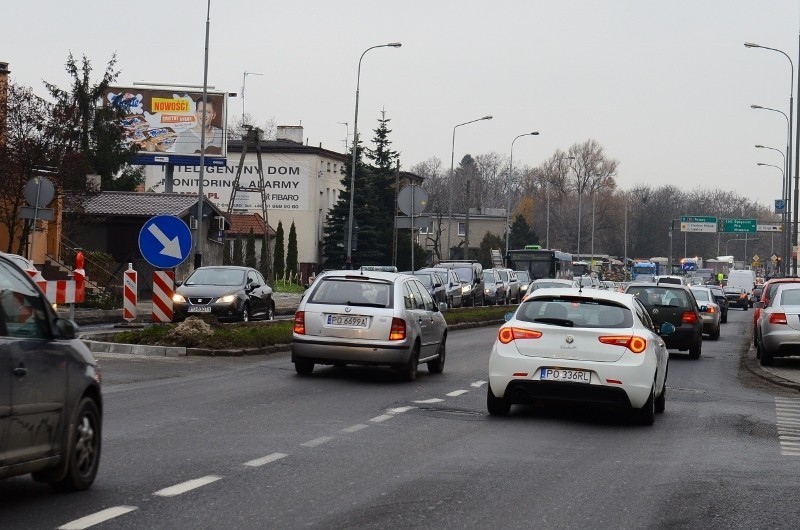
(369, 318)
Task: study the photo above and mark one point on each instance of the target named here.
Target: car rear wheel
(647, 414)
(409, 370)
(715, 334)
(495, 405)
(437, 365)
(696, 349)
(83, 449)
(766, 357)
(303, 367)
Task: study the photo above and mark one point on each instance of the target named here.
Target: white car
(24, 264)
(594, 346)
(369, 318)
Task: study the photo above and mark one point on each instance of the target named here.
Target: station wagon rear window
(340, 291)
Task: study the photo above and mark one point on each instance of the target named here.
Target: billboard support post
(198, 247)
(169, 177)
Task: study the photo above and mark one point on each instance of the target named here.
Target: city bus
(541, 263)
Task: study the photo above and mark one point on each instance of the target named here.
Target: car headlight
(178, 298)
(227, 299)
(466, 289)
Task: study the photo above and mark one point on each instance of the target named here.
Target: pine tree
(381, 188)
(250, 250)
(238, 252)
(278, 254)
(291, 251)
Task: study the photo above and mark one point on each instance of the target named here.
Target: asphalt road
(245, 443)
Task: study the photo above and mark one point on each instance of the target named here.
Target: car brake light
(398, 331)
(711, 309)
(635, 344)
(777, 318)
(300, 323)
(688, 317)
(506, 335)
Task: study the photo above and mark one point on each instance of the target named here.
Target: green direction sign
(738, 225)
(698, 219)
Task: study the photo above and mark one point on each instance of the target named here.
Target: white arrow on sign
(172, 247)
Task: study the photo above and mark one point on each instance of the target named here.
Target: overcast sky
(664, 86)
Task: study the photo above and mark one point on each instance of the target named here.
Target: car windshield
(660, 296)
(489, 276)
(523, 277)
(503, 275)
(734, 290)
(549, 285)
(226, 277)
(426, 279)
(575, 312)
(790, 297)
(701, 295)
(464, 273)
(340, 291)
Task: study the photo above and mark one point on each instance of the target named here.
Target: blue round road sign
(165, 241)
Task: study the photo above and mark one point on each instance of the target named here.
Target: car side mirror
(666, 329)
(442, 307)
(178, 283)
(477, 281)
(67, 329)
(704, 309)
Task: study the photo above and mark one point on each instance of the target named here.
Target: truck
(644, 270)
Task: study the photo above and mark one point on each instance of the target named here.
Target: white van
(744, 279)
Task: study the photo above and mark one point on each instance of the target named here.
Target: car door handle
(20, 371)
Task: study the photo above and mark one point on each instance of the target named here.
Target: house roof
(285, 146)
(241, 223)
(134, 204)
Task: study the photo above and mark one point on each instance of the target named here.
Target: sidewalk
(785, 371)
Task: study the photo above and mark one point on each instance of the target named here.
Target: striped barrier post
(163, 288)
(59, 291)
(130, 294)
(80, 278)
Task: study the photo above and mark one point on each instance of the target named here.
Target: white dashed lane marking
(316, 442)
(478, 384)
(457, 393)
(189, 485)
(400, 410)
(787, 414)
(97, 518)
(355, 428)
(382, 417)
(432, 400)
(258, 462)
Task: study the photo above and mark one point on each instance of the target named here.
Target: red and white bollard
(163, 288)
(129, 294)
(80, 277)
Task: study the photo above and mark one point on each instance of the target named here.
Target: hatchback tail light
(506, 335)
(300, 323)
(777, 318)
(635, 344)
(398, 331)
(688, 317)
(711, 309)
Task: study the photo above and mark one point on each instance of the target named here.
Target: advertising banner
(285, 183)
(166, 124)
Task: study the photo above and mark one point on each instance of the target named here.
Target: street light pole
(349, 259)
(450, 200)
(793, 234)
(784, 196)
(789, 203)
(508, 188)
(784, 182)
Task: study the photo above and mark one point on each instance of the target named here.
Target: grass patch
(262, 334)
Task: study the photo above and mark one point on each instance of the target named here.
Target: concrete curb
(753, 365)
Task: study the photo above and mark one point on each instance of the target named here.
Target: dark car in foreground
(50, 401)
(677, 305)
(434, 283)
(230, 293)
(369, 318)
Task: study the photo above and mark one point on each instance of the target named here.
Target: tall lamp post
(790, 206)
(349, 259)
(785, 227)
(450, 200)
(793, 235)
(508, 187)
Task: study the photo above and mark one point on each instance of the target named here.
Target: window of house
(462, 229)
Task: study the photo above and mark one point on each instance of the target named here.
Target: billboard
(286, 183)
(166, 124)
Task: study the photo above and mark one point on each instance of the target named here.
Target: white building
(302, 183)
